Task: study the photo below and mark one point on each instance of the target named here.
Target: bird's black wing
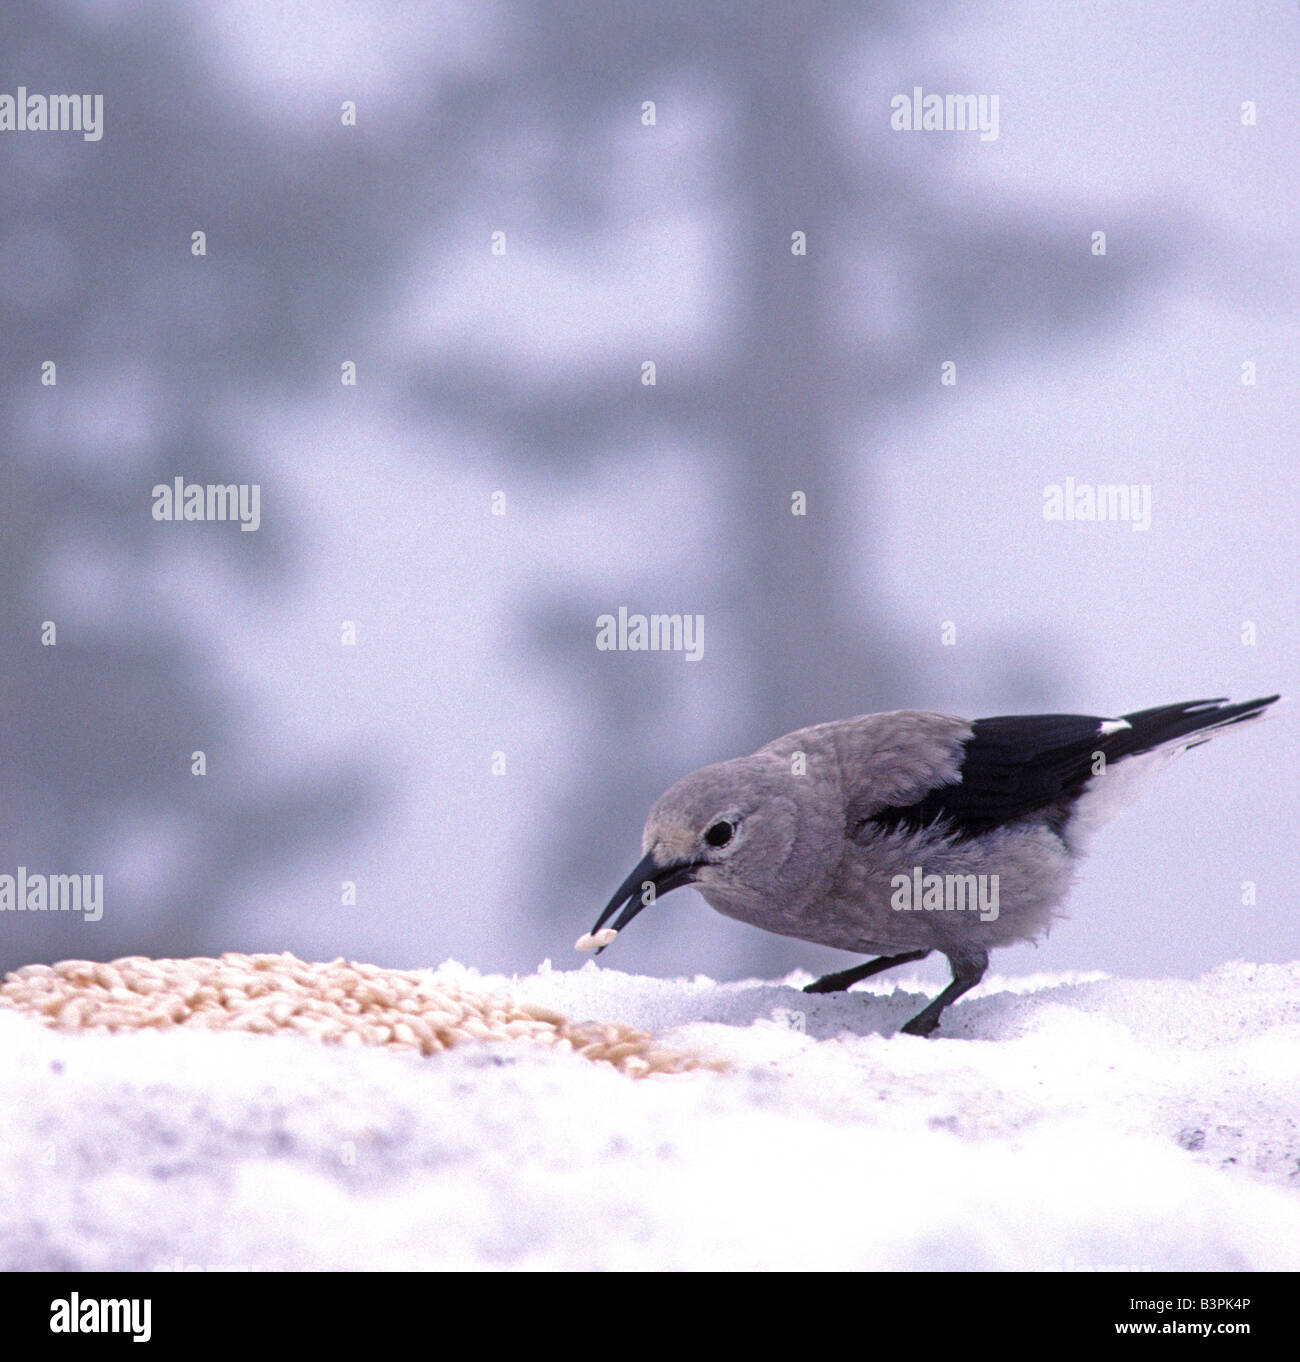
(1040, 763)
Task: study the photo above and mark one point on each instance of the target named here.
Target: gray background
(521, 374)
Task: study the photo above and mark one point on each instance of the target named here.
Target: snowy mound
(1055, 1123)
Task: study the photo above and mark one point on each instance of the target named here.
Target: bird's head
(727, 829)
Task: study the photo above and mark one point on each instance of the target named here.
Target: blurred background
(535, 201)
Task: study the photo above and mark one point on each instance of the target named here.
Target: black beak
(632, 891)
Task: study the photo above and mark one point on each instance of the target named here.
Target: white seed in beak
(593, 941)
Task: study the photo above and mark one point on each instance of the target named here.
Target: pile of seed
(340, 1003)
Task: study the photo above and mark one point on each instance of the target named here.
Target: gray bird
(899, 834)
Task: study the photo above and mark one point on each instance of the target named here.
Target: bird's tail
(1181, 726)
(1152, 739)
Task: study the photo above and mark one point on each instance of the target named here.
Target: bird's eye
(720, 834)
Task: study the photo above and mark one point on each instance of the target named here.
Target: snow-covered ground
(1058, 1123)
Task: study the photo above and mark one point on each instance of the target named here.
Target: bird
(894, 835)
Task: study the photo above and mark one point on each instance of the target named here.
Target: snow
(1066, 1122)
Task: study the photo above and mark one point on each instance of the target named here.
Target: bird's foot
(834, 983)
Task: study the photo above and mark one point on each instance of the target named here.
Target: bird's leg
(967, 970)
(846, 978)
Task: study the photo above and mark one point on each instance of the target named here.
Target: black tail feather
(1149, 728)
